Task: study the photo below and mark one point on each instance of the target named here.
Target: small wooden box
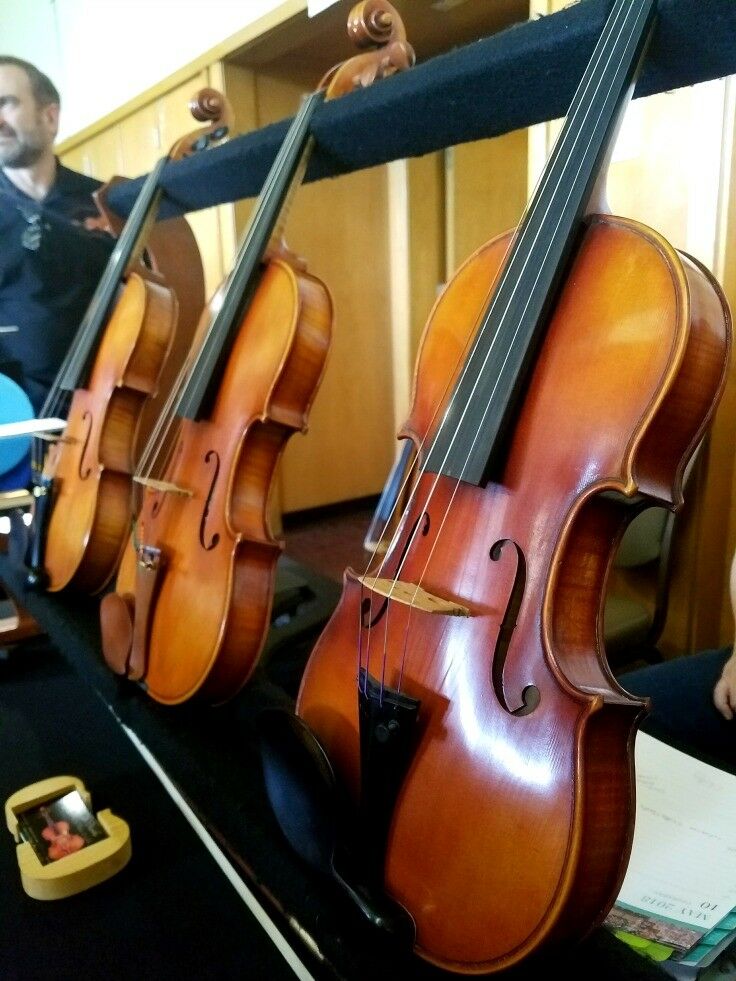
(72, 872)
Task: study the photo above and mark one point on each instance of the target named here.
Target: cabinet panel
(486, 192)
(74, 159)
(140, 140)
(100, 157)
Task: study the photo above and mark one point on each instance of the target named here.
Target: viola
(82, 485)
(460, 695)
(193, 596)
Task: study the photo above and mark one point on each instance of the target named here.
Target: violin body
(93, 463)
(194, 592)
(174, 257)
(513, 822)
(210, 611)
(76, 539)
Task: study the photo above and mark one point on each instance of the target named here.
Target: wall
(28, 30)
(125, 50)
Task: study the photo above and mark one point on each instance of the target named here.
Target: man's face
(27, 130)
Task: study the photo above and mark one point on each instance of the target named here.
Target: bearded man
(50, 263)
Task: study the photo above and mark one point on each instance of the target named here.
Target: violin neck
(126, 253)
(288, 166)
(472, 439)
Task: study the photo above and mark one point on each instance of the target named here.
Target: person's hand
(96, 223)
(724, 693)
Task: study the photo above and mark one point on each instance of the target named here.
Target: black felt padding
(518, 77)
(170, 912)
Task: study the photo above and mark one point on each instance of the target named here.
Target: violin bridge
(162, 485)
(49, 438)
(412, 595)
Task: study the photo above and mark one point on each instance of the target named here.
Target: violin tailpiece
(149, 569)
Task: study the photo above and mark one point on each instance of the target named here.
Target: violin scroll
(207, 106)
(374, 23)
(377, 26)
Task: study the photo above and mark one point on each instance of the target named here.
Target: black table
(211, 755)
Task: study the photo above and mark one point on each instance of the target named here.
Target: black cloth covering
(170, 913)
(515, 78)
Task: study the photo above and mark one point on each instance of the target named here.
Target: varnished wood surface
(92, 503)
(524, 821)
(212, 607)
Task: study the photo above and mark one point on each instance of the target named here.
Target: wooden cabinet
(131, 146)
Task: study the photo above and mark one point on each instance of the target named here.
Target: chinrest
(316, 818)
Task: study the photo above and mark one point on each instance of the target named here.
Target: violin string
(298, 179)
(297, 133)
(56, 404)
(192, 365)
(635, 32)
(164, 424)
(58, 400)
(165, 441)
(611, 27)
(411, 470)
(485, 412)
(161, 447)
(158, 443)
(128, 247)
(187, 145)
(474, 338)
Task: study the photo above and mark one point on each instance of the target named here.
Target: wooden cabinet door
(100, 156)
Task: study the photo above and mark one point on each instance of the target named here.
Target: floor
(328, 540)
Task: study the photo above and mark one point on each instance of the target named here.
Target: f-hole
(211, 454)
(84, 474)
(528, 700)
(365, 606)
